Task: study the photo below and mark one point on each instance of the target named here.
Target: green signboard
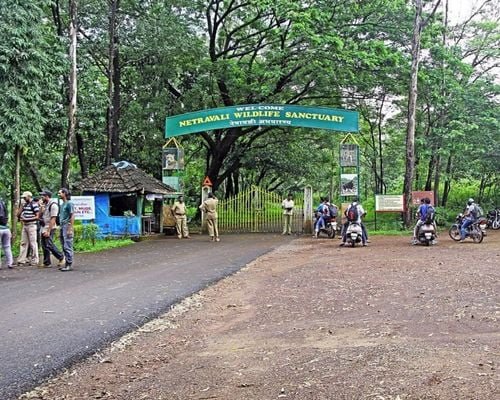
(262, 114)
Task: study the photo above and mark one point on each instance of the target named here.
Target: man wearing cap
(28, 214)
(48, 223)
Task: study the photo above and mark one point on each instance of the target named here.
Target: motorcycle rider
(471, 215)
(321, 212)
(425, 212)
(360, 212)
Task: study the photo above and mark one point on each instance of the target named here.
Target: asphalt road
(51, 319)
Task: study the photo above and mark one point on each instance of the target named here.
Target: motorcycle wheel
(454, 232)
(331, 233)
(495, 225)
(477, 235)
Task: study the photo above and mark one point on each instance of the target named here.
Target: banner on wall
(349, 185)
(84, 207)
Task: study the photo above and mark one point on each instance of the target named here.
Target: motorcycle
(483, 224)
(354, 234)
(473, 230)
(427, 234)
(330, 229)
(494, 219)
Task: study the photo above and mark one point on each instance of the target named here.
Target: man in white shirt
(287, 206)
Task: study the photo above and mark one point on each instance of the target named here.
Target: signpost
(388, 203)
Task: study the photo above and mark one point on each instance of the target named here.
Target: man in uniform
(209, 207)
(179, 213)
(287, 206)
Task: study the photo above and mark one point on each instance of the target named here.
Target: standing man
(48, 223)
(209, 206)
(5, 235)
(28, 214)
(179, 213)
(287, 206)
(67, 219)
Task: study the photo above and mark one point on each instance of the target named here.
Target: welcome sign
(262, 115)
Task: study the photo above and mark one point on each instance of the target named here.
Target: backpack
(429, 215)
(58, 219)
(352, 213)
(476, 212)
(332, 210)
(4, 218)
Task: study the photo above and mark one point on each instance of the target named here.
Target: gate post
(308, 210)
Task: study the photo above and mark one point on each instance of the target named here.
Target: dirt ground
(311, 320)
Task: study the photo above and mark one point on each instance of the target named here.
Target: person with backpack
(425, 214)
(353, 215)
(321, 212)
(5, 235)
(48, 223)
(471, 215)
(28, 214)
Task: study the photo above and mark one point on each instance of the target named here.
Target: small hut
(128, 201)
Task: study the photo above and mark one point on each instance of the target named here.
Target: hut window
(119, 204)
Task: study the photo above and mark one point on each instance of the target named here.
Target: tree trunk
(72, 95)
(112, 115)
(430, 172)
(412, 103)
(16, 193)
(447, 182)
(437, 178)
(80, 148)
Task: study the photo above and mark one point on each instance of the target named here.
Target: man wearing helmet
(471, 215)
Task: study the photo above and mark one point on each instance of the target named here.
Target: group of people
(209, 208)
(38, 217)
(326, 213)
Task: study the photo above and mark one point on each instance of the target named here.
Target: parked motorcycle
(473, 230)
(427, 234)
(354, 234)
(494, 219)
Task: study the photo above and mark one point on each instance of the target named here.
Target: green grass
(86, 246)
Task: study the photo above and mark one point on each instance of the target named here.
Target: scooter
(427, 234)
(354, 234)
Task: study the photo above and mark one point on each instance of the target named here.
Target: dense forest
(87, 83)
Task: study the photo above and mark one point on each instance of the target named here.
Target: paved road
(50, 319)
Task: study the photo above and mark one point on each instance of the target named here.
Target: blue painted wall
(114, 226)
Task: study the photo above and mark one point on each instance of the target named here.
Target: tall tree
(418, 26)
(29, 60)
(72, 93)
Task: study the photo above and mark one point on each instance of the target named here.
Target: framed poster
(349, 184)
(173, 158)
(84, 207)
(349, 155)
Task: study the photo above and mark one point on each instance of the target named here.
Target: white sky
(459, 10)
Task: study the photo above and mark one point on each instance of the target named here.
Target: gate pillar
(308, 210)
